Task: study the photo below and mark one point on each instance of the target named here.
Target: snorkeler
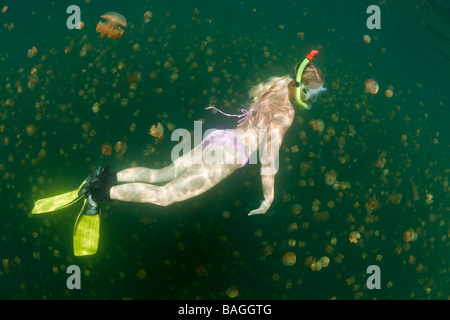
(271, 113)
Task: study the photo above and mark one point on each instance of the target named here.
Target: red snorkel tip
(311, 55)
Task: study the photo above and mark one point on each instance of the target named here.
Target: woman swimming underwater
(263, 126)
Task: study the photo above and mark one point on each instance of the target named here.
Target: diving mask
(311, 93)
(301, 90)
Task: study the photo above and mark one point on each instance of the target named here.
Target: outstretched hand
(261, 210)
(257, 211)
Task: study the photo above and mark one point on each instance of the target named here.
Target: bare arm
(270, 156)
(268, 183)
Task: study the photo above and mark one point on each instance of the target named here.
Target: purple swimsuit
(226, 138)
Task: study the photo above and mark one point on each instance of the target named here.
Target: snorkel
(298, 77)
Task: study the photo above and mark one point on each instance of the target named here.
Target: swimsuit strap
(244, 113)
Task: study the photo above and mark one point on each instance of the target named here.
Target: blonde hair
(274, 84)
(312, 76)
(266, 96)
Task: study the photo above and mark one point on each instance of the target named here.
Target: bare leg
(166, 174)
(147, 175)
(192, 182)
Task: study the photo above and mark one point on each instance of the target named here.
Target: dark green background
(188, 250)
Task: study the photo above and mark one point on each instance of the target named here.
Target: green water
(202, 51)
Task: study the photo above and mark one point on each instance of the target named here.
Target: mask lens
(313, 94)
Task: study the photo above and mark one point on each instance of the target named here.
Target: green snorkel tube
(298, 77)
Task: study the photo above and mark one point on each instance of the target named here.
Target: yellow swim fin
(86, 232)
(57, 202)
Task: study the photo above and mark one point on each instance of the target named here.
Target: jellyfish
(142, 274)
(371, 86)
(42, 154)
(120, 148)
(96, 107)
(389, 93)
(4, 141)
(321, 263)
(32, 52)
(147, 16)
(289, 259)
(316, 265)
(6, 266)
(330, 178)
(325, 261)
(111, 28)
(373, 204)
(354, 236)
(106, 148)
(317, 125)
(31, 129)
(86, 126)
(157, 131)
(409, 235)
(380, 163)
(296, 208)
(135, 77)
(232, 292)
